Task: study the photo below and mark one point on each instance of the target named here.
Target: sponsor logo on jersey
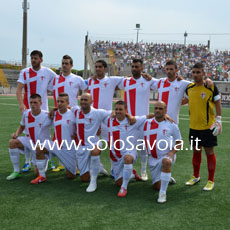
(203, 95)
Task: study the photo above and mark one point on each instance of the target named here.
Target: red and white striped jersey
(63, 126)
(36, 82)
(137, 93)
(38, 127)
(172, 94)
(68, 84)
(88, 124)
(102, 91)
(122, 130)
(160, 137)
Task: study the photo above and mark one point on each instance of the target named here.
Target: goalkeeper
(203, 123)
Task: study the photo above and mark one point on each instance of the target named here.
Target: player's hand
(217, 126)
(131, 119)
(22, 108)
(170, 155)
(168, 118)
(113, 114)
(208, 82)
(94, 77)
(146, 76)
(14, 136)
(51, 113)
(179, 78)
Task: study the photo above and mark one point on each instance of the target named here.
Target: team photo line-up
(156, 136)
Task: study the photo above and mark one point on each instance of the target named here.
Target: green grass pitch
(63, 204)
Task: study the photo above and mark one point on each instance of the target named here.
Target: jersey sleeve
(83, 84)
(52, 75)
(50, 85)
(21, 77)
(103, 114)
(121, 84)
(139, 121)
(154, 83)
(116, 80)
(216, 95)
(176, 132)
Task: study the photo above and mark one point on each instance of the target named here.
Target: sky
(58, 27)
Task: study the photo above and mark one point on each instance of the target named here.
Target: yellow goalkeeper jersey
(201, 105)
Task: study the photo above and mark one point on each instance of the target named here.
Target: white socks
(14, 156)
(165, 178)
(41, 165)
(127, 171)
(27, 156)
(144, 160)
(94, 168)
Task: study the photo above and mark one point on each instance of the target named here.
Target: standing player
(63, 124)
(159, 134)
(203, 124)
(37, 122)
(68, 83)
(137, 93)
(34, 80)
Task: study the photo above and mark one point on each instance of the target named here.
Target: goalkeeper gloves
(217, 126)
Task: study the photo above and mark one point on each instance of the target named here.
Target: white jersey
(122, 130)
(63, 127)
(137, 93)
(88, 124)
(160, 137)
(172, 94)
(68, 84)
(36, 82)
(102, 91)
(38, 127)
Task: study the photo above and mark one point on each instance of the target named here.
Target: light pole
(138, 28)
(185, 36)
(25, 7)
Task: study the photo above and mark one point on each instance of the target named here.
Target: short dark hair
(135, 60)
(63, 95)
(171, 62)
(68, 57)
(198, 65)
(33, 96)
(36, 52)
(102, 62)
(121, 103)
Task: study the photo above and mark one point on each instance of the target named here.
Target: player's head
(160, 109)
(36, 59)
(137, 68)
(86, 101)
(63, 102)
(67, 64)
(171, 69)
(120, 110)
(35, 103)
(198, 72)
(100, 68)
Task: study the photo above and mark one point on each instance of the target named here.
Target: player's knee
(95, 151)
(119, 182)
(166, 163)
(128, 159)
(12, 144)
(40, 154)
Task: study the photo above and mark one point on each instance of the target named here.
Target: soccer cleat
(144, 176)
(193, 181)
(103, 171)
(59, 168)
(137, 177)
(26, 168)
(209, 186)
(172, 181)
(162, 198)
(14, 175)
(122, 192)
(38, 180)
(92, 187)
(112, 173)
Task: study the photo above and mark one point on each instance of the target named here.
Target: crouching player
(62, 147)
(162, 140)
(37, 123)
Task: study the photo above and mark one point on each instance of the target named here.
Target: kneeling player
(37, 122)
(159, 134)
(62, 147)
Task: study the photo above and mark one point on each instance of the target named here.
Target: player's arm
(18, 132)
(51, 113)
(22, 107)
(131, 119)
(146, 76)
(178, 146)
(184, 101)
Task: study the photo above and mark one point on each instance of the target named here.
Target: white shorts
(118, 166)
(83, 159)
(66, 157)
(27, 147)
(155, 166)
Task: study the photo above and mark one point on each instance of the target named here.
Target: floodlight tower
(185, 36)
(138, 28)
(25, 7)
